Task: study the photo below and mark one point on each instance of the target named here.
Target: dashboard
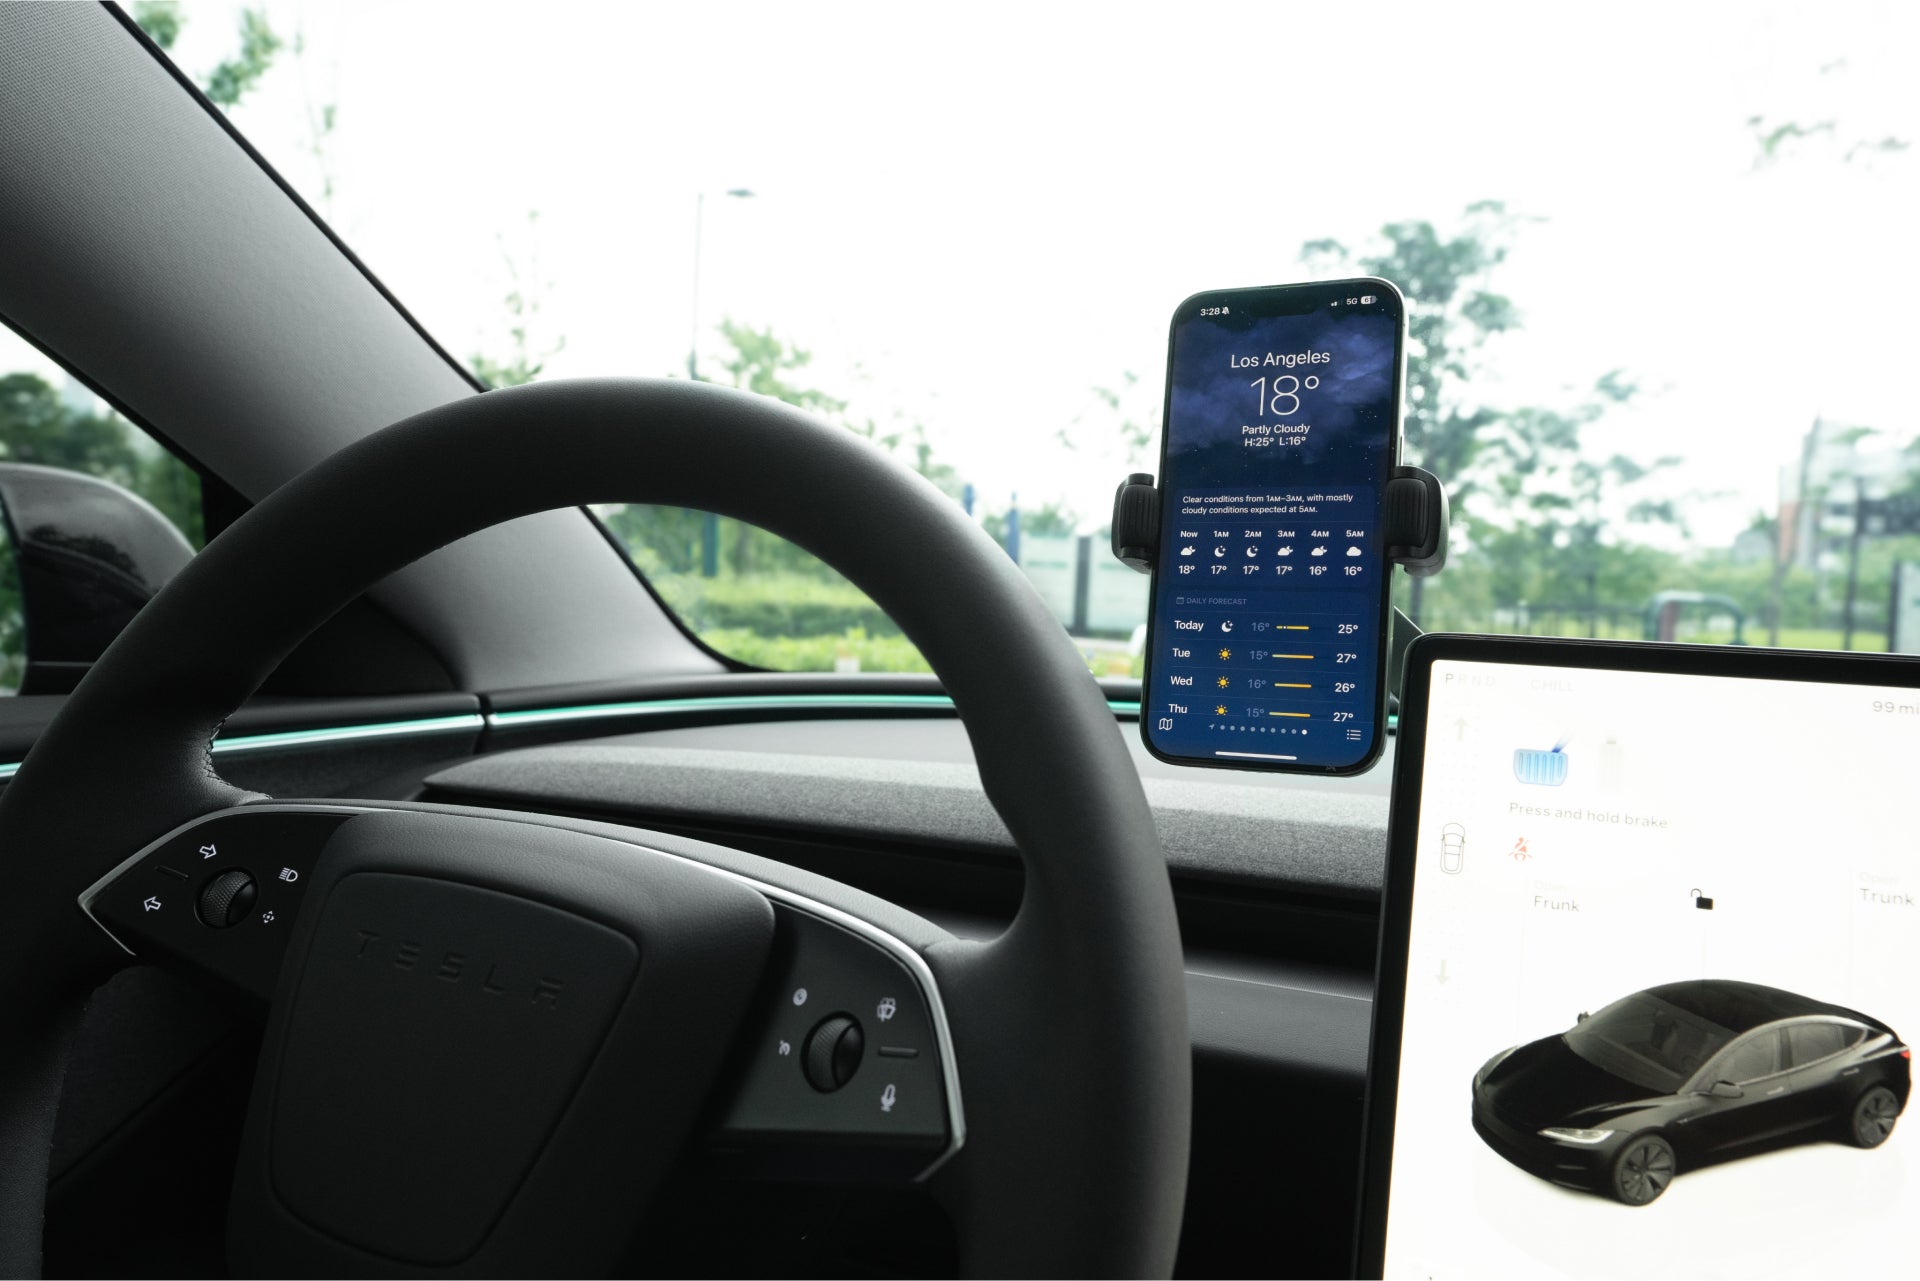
(1276, 883)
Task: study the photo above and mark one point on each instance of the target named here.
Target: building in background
(1821, 492)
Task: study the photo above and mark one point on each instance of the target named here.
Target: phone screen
(1266, 642)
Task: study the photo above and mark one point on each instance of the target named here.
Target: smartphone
(1266, 637)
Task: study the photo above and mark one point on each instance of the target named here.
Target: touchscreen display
(1270, 597)
(1660, 980)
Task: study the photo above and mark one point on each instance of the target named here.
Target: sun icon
(1223, 682)
(1226, 654)
(1221, 710)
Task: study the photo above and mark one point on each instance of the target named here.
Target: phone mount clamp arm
(1414, 521)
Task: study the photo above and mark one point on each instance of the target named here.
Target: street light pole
(699, 217)
(693, 341)
(1861, 505)
(710, 526)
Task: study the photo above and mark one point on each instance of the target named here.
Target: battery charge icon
(1367, 300)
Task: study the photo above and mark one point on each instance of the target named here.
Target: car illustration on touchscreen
(1685, 1075)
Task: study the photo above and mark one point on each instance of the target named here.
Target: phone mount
(1413, 522)
(1414, 517)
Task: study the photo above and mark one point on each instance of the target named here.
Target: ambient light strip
(465, 722)
(347, 733)
(471, 721)
(743, 702)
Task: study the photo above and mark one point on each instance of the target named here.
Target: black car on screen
(1688, 1074)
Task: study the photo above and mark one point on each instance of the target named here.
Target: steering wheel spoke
(848, 1072)
(218, 896)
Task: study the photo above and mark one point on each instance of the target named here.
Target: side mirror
(1582, 1017)
(90, 555)
(1726, 1090)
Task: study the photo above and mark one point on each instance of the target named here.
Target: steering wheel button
(834, 1050)
(228, 898)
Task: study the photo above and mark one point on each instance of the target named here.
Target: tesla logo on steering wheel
(454, 968)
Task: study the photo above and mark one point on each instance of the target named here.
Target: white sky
(973, 215)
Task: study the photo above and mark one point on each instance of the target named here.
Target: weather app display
(1660, 993)
(1266, 642)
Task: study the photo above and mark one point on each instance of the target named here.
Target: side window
(1758, 1056)
(74, 568)
(1811, 1042)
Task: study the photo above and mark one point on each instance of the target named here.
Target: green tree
(526, 359)
(911, 444)
(1514, 475)
(1049, 520)
(1777, 139)
(232, 78)
(323, 118)
(671, 541)
(38, 426)
(760, 362)
(674, 541)
(1132, 412)
(161, 20)
(1578, 509)
(1451, 313)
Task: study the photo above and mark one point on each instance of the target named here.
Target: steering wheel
(492, 1035)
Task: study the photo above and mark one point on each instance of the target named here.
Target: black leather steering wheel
(1062, 1045)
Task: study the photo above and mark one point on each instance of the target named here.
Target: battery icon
(1367, 300)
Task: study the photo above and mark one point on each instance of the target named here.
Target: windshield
(1658, 283)
(1644, 1040)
